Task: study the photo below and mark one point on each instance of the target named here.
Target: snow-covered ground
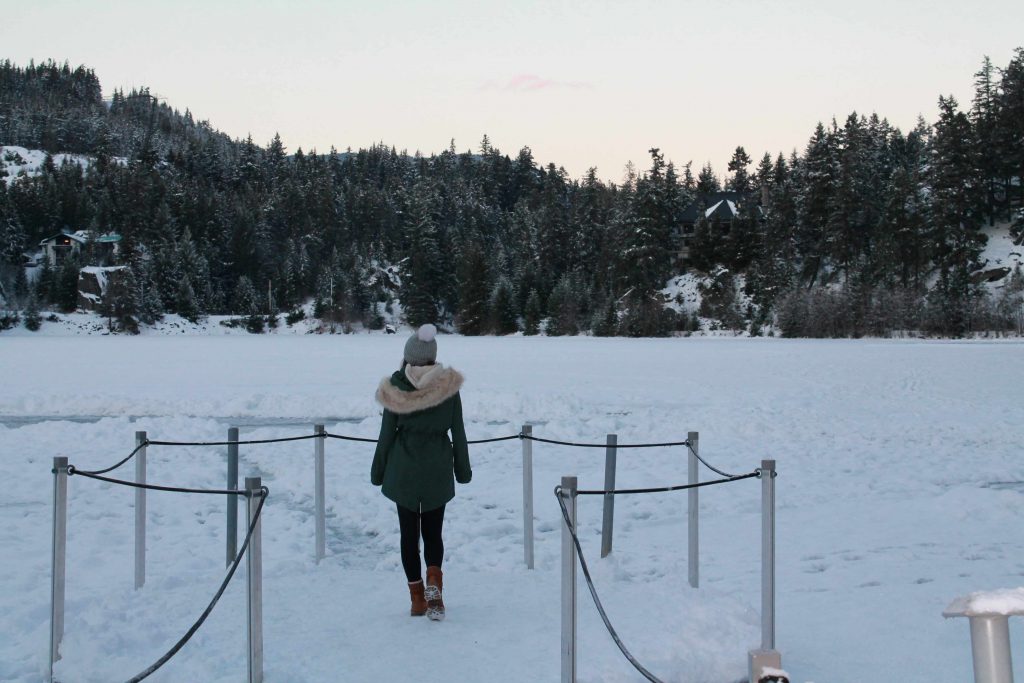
(900, 488)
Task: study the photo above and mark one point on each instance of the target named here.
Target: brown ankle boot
(435, 603)
(419, 603)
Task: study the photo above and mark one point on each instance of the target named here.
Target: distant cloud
(532, 83)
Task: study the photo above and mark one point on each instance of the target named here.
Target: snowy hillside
(899, 490)
(1001, 250)
(19, 161)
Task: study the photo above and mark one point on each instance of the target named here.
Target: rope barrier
(593, 593)
(230, 443)
(497, 438)
(349, 438)
(264, 492)
(115, 466)
(586, 569)
(154, 487)
(707, 464)
(604, 445)
(680, 487)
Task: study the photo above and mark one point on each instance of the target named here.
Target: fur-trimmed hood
(432, 386)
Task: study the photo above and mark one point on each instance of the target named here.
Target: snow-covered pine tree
(740, 181)
(533, 314)
(474, 291)
(504, 319)
(422, 273)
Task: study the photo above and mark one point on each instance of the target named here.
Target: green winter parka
(415, 460)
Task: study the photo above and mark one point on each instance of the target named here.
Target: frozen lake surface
(899, 489)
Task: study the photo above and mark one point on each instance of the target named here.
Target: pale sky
(582, 83)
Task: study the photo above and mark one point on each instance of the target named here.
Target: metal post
(253, 487)
(140, 512)
(60, 537)
(232, 525)
(569, 486)
(608, 517)
(693, 509)
(768, 555)
(528, 496)
(990, 648)
(767, 656)
(318, 493)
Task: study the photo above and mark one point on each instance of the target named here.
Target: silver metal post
(318, 495)
(57, 575)
(255, 570)
(767, 656)
(608, 516)
(990, 648)
(140, 512)
(693, 509)
(569, 486)
(768, 555)
(232, 522)
(528, 496)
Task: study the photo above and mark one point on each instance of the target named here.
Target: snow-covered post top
(1003, 602)
(989, 613)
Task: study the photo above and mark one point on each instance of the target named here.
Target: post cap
(1004, 602)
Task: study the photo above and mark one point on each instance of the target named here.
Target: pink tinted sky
(583, 84)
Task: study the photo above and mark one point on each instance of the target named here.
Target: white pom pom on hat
(421, 347)
(427, 333)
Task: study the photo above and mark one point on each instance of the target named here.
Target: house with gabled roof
(60, 247)
(719, 209)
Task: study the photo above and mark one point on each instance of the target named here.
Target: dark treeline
(869, 231)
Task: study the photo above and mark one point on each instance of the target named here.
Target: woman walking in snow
(415, 460)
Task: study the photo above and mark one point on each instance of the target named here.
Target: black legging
(412, 524)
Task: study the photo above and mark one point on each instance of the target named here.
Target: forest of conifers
(868, 230)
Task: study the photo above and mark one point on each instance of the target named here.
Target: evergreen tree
(740, 181)
(503, 313)
(66, 295)
(984, 118)
(33, 320)
(956, 206)
(121, 300)
(474, 285)
(532, 314)
(185, 301)
(422, 274)
(1009, 132)
(606, 320)
(707, 181)
(814, 201)
(563, 309)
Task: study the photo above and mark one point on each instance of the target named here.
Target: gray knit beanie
(421, 349)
